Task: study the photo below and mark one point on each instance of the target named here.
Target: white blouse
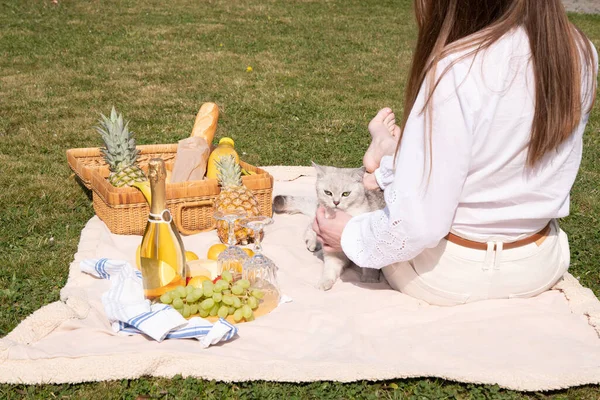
(478, 186)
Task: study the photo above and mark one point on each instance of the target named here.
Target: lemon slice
(215, 250)
(166, 273)
(190, 256)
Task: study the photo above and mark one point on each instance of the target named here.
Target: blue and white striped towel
(130, 313)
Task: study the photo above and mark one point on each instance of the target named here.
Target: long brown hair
(450, 26)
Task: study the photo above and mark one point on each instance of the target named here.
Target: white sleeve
(384, 175)
(421, 201)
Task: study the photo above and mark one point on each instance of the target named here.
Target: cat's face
(340, 188)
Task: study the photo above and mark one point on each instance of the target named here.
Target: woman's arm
(420, 200)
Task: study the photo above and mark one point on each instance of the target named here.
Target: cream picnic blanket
(353, 332)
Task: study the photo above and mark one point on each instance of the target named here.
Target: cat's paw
(310, 238)
(312, 245)
(325, 284)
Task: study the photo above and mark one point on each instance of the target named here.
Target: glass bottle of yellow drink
(162, 256)
(225, 147)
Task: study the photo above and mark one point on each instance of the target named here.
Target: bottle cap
(156, 169)
(228, 141)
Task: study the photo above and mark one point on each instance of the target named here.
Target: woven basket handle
(178, 216)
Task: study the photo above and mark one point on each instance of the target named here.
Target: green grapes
(223, 298)
(253, 302)
(237, 315)
(186, 311)
(244, 283)
(221, 285)
(237, 290)
(227, 276)
(166, 298)
(207, 304)
(177, 303)
(227, 299)
(217, 289)
(223, 312)
(190, 298)
(246, 311)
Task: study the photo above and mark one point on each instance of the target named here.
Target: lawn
(296, 80)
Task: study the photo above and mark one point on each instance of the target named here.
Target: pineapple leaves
(229, 172)
(119, 151)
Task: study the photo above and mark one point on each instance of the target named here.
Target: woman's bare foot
(385, 134)
(370, 182)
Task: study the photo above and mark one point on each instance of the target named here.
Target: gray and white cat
(337, 189)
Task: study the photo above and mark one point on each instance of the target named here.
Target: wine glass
(232, 258)
(260, 270)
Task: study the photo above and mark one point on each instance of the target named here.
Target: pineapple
(233, 196)
(119, 152)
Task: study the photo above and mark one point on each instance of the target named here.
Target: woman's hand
(329, 230)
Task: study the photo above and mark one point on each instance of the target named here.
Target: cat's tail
(294, 205)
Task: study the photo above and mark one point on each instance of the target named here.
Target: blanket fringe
(38, 325)
(581, 299)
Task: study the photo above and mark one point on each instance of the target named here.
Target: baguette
(205, 125)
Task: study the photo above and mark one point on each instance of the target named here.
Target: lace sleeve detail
(384, 175)
(423, 195)
(381, 246)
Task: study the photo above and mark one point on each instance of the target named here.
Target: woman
(497, 100)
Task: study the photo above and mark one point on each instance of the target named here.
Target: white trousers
(450, 274)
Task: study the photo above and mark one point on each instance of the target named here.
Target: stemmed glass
(260, 270)
(232, 258)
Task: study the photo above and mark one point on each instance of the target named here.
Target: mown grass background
(320, 71)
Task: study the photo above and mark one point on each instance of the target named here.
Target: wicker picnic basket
(125, 211)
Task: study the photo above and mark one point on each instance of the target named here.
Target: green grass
(321, 69)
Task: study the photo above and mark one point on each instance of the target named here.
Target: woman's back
(501, 194)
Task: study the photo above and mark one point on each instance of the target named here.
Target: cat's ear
(358, 173)
(319, 168)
